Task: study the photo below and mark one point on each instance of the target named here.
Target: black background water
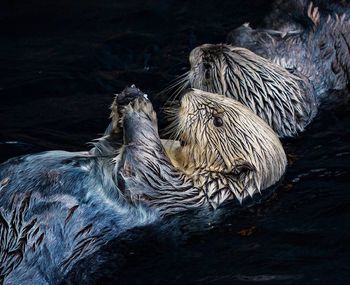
(61, 62)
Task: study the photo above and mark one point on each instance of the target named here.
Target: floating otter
(226, 150)
(284, 72)
(283, 100)
(58, 207)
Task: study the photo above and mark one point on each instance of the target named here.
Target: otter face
(226, 149)
(280, 98)
(208, 68)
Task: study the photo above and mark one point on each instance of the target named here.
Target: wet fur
(58, 207)
(285, 101)
(234, 161)
(280, 72)
(312, 40)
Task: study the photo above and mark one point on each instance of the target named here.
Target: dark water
(61, 62)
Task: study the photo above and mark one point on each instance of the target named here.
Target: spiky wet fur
(285, 101)
(309, 38)
(236, 160)
(58, 207)
(280, 72)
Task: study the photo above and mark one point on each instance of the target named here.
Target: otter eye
(207, 74)
(206, 65)
(207, 70)
(217, 121)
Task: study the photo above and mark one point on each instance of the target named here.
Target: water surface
(60, 64)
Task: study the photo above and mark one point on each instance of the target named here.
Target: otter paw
(140, 123)
(120, 102)
(128, 95)
(142, 105)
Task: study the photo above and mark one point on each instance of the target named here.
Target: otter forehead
(230, 56)
(199, 98)
(195, 100)
(208, 52)
(214, 51)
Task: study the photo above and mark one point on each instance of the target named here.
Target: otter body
(58, 207)
(279, 74)
(314, 43)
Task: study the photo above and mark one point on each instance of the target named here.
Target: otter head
(225, 149)
(283, 100)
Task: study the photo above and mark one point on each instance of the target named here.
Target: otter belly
(55, 209)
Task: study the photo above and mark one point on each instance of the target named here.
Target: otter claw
(142, 105)
(139, 121)
(128, 95)
(120, 103)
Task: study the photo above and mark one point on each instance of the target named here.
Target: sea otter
(59, 207)
(279, 74)
(283, 100)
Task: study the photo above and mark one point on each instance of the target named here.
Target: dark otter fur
(293, 14)
(59, 207)
(313, 42)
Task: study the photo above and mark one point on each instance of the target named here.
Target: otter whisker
(172, 130)
(174, 83)
(171, 114)
(181, 83)
(184, 84)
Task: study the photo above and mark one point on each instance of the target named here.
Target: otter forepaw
(140, 122)
(123, 99)
(128, 95)
(142, 105)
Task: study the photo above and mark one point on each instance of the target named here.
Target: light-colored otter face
(226, 149)
(280, 98)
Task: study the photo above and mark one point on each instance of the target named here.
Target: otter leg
(112, 139)
(141, 152)
(140, 127)
(144, 172)
(122, 100)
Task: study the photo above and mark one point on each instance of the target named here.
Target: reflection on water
(61, 62)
